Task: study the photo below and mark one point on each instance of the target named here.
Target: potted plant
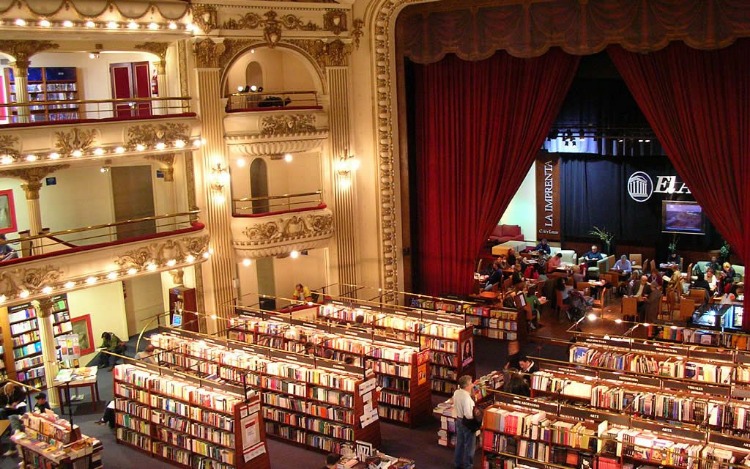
(604, 236)
(672, 246)
(724, 252)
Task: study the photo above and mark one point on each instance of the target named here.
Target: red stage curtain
(698, 103)
(478, 126)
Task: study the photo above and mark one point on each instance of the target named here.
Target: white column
(20, 73)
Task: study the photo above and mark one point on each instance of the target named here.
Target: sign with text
(548, 196)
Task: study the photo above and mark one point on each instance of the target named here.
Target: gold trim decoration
(205, 17)
(272, 27)
(149, 135)
(8, 146)
(287, 124)
(85, 8)
(168, 160)
(326, 54)
(182, 58)
(31, 279)
(284, 230)
(208, 53)
(22, 51)
(178, 276)
(76, 140)
(358, 31)
(335, 21)
(160, 253)
(157, 48)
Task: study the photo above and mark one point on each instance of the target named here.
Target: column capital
(22, 51)
(208, 53)
(157, 48)
(32, 177)
(32, 190)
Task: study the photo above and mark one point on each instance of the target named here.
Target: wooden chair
(602, 300)
(561, 307)
(636, 260)
(698, 295)
(687, 308)
(629, 310)
(646, 267)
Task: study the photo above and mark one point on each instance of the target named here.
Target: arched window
(254, 74)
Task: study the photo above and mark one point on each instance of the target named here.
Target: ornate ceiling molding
(157, 48)
(259, 147)
(28, 279)
(151, 135)
(205, 17)
(326, 54)
(287, 124)
(167, 9)
(271, 23)
(23, 50)
(8, 144)
(76, 139)
(209, 54)
(281, 234)
(269, 134)
(163, 252)
(335, 21)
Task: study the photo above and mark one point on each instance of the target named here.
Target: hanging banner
(548, 196)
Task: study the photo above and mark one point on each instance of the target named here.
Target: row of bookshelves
(489, 321)
(286, 378)
(186, 421)
(51, 442)
(405, 365)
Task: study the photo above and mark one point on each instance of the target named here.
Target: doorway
(133, 196)
(131, 80)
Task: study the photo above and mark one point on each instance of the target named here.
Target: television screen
(682, 217)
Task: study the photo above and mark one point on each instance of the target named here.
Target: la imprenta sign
(641, 187)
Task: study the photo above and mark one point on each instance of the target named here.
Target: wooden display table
(72, 378)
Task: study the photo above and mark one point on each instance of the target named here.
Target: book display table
(49, 442)
(73, 378)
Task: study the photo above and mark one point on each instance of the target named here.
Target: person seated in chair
(6, 252)
(593, 256)
(674, 259)
(714, 264)
(641, 290)
(511, 257)
(110, 343)
(495, 277)
(554, 262)
(711, 280)
(623, 265)
(543, 247)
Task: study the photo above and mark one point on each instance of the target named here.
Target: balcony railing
(244, 102)
(260, 206)
(61, 112)
(95, 236)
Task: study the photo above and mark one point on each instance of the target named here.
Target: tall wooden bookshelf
(401, 367)
(449, 340)
(491, 321)
(50, 84)
(188, 422)
(309, 401)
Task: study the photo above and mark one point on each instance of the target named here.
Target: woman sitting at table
(711, 280)
(554, 262)
(674, 259)
(729, 271)
(511, 257)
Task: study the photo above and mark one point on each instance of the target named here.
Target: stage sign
(548, 196)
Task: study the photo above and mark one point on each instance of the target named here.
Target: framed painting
(7, 212)
(82, 328)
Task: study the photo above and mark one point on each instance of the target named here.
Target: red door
(131, 80)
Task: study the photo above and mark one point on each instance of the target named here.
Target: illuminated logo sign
(641, 186)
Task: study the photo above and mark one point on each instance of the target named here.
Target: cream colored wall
(522, 208)
(19, 201)
(106, 306)
(143, 300)
(299, 176)
(310, 270)
(71, 204)
(283, 70)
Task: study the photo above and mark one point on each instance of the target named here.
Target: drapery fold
(698, 103)
(478, 126)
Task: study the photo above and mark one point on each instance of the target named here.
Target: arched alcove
(254, 74)
(281, 69)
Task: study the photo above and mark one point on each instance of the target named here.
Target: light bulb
(241, 162)
(68, 24)
(20, 22)
(190, 258)
(153, 26)
(161, 146)
(132, 25)
(120, 150)
(90, 24)
(140, 147)
(77, 153)
(45, 24)
(246, 262)
(47, 290)
(171, 263)
(99, 151)
(91, 280)
(112, 25)
(179, 143)
(69, 285)
(294, 254)
(24, 294)
(54, 156)
(31, 158)
(132, 271)
(288, 157)
(112, 275)
(172, 25)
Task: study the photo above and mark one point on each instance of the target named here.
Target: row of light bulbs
(151, 266)
(101, 151)
(90, 24)
(294, 255)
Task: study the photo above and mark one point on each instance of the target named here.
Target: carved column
(221, 268)
(22, 51)
(49, 347)
(33, 182)
(344, 212)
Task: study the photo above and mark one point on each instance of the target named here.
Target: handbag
(475, 423)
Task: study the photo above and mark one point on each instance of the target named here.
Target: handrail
(264, 205)
(95, 101)
(271, 101)
(272, 197)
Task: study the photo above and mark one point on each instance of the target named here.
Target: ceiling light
(246, 262)
(132, 25)
(140, 147)
(77, 153)
(179, 143)
(189, 26)
(47, 290)
(20, 22)
(45, 24)
(68, 24)
(171, 263)
(99, 151)
(206, 255)
(132, 271)
(54, 156)
(120, 150)
(90, 24)
(151, 267)
(3, 298)
(190, 258)
(294, 254)
(24, 294)
(161, 146)
(112, 275)
(91, 280)
(153, 26)
(591, 317)
(104, 169)
(31, 158)
(6, 159)
(288, 157)
(93, 55)
(241, 162)
(197, 142)
(69, 285)
(112, 25)
(172, 25)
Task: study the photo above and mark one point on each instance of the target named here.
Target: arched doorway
(264, 265)
(254, 74)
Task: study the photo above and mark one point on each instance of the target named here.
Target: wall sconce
(345, 167)
(219, 177)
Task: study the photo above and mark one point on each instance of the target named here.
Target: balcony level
(280, 225)
(56, 262)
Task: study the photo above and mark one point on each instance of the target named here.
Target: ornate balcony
(278, 225)
(67, 260)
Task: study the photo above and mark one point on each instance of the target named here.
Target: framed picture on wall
(7, 212)
(82, 328)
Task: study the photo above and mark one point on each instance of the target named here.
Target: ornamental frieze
(326, 53)
(77, 140)
(287, 124)
(149, 135)
(290, 229)
(31, 280)
(271, 23)
(162, 252)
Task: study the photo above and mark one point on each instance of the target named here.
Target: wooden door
(131, 80)
(133, 195)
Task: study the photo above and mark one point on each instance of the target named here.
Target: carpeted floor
(419, 444)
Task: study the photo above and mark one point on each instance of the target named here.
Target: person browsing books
(463, 456)
(110, 343)
(41, 403)
(332, 459)
(13, 402)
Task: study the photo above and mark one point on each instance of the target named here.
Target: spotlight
(104, 169)
(254, 89)
(93, 55)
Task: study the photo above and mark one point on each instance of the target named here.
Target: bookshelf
(449, 340)
(481, 393)
(25, 363)
(49, 442)
(188, 422)
(310, 401)
(59, 313)
(49, 84)
(401, 367)
(491, 321)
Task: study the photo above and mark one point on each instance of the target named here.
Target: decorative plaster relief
(76, 140)
(30, 279)
(161, 252)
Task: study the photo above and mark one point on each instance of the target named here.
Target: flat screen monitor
(682, 217)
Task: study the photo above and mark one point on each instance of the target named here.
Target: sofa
(602, 266)
(504, 233)
(568, 255)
